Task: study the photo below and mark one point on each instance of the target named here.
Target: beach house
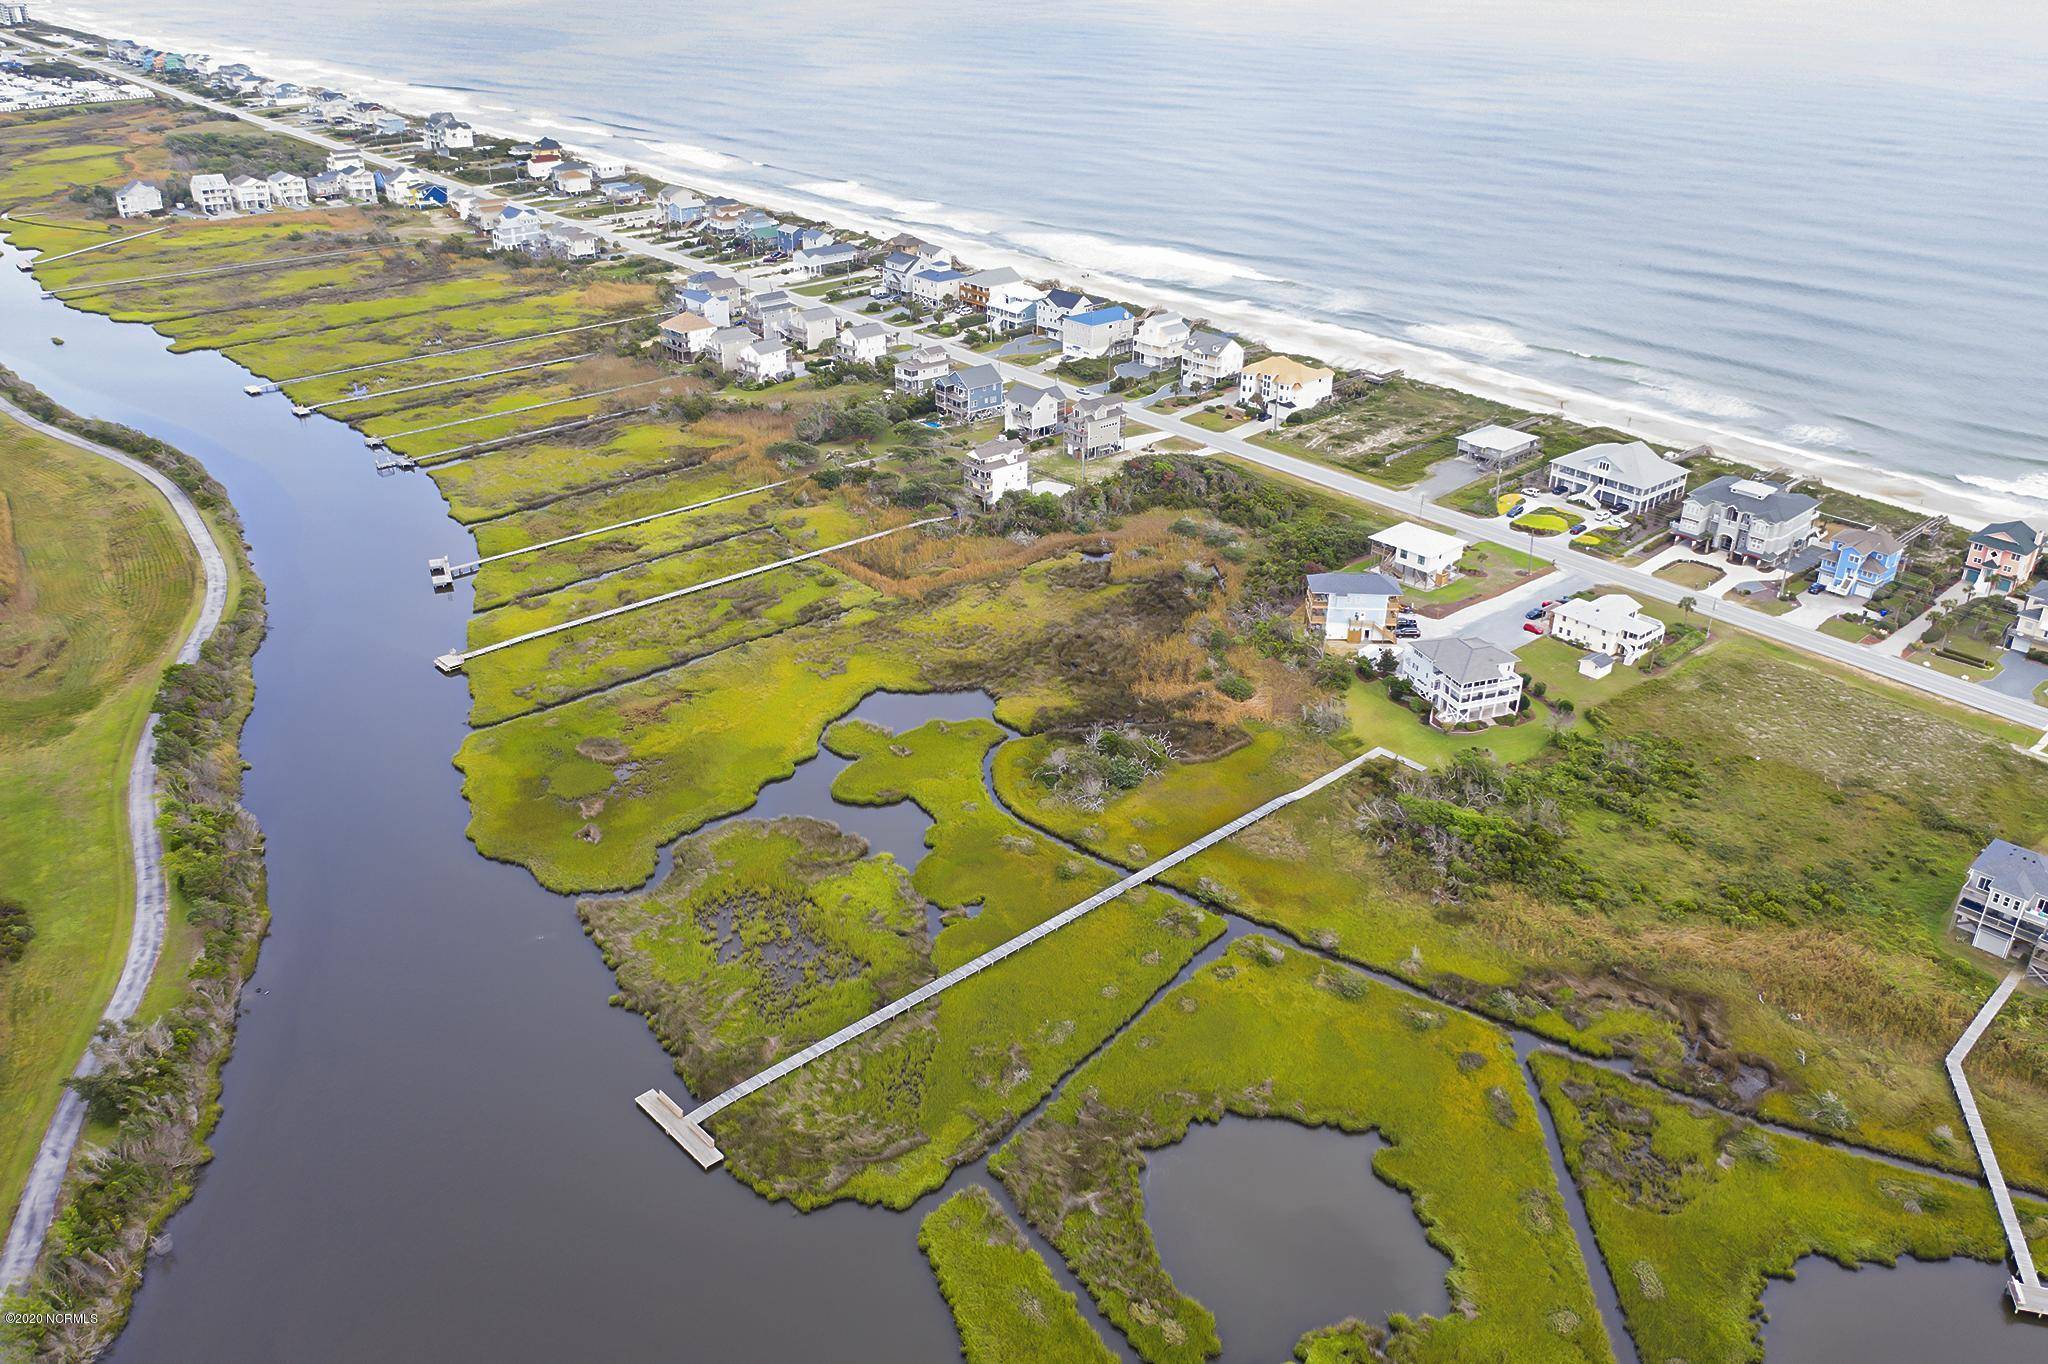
(1159, 339)
(808, 328)
(968, 395)
(863, 343)
(976, 288)
(1351, 608)
(726, 344)
(1034, 411)
(1418, 555)
(1856, 563)
(1496, 447)
(685, 335)
(358, 184)
(572, 179)
(2002, 908)
(1464, 680)
(572, 243)
(137, 199)
(1747, 518)
(1097, 333)
(1013, 307)
(445, 134)
(1210, 359)
(1279, 387)
(1614, 625)
(919, 370)
(211, 193)
(250, 194)
(934, 285)
(1093, 426)
(515, 229)
(679, 207)
(831, 259)
(1054, 308)
(288, 190)
(1626, 476)
(764, 360)
(2001, 558)
(998, 467)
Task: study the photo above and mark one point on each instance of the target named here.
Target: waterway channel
(428, 1146)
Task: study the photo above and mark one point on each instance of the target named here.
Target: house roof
(2013, 869)
(999, 453)
(1065, 298)
(976, 376)
(1766, 501)
(1419, 540)
(1102, 317)
(924, 357)
(1030, 395)
(1209, 343)
(865, 331)
(1611, 612)
(1289, 371)
(989, 279)
(1098, 405)
(1630, 462)
(134, 185)
(1872, 541)
(726, 336)
(2037, 595)
(686, 322)
(2016, 536)
(1464, 660)
(1353, 584)
(1499, 439)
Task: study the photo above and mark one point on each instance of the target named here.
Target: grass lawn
(1486, 570)
(1217, 419)
(1691, 573)
(1542, 523)
(1269, 1032)
(97, 584)
(1855, 631)
(1693, 1210)
(1556, 664)
(1006, 1304)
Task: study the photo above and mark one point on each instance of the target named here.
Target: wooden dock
(453, 662)
(258, 390)
(710, 1107)
(2029, 1296)
(677, 1124)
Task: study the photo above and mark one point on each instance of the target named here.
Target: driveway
(1499, 620)
(2019, 677)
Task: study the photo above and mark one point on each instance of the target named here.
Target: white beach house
(1419, 555)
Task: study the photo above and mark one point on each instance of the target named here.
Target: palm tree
(1686, 604)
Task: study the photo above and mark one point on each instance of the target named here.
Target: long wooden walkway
(96, 246)
(374, 441)
(657, 1103)
(69, 291)
(2027, 1292)
(453, 662)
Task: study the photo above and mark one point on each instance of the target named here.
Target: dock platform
(677, 1124)
(2029, 1295)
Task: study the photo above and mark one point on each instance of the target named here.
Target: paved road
(152, 893)
(1408, 502)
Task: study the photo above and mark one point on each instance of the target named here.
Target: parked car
(1407, 632)
(1533, 628)
(1512, 512)
(1533, 613)
(1579, 529)
(1816, 590)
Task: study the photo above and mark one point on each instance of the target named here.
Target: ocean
(1811, 233)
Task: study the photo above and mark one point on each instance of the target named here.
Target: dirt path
(152, 892)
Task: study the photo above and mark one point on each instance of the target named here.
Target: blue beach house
(1857, 563)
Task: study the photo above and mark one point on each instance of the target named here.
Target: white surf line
(443, 383)
(272, 385)
(45, 1182)
(2027, 1292)
(100, 246)
(453, 662)
(515, 411)
(66, 290)
(696, 1117)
